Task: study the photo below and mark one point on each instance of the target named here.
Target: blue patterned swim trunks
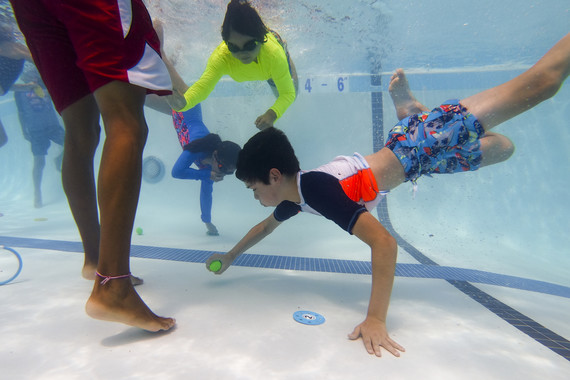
(445, 140)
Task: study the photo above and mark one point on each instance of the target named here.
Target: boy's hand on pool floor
(374, 335)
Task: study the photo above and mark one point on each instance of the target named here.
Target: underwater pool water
(510, 218)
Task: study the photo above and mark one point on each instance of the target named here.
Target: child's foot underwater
(404, 101)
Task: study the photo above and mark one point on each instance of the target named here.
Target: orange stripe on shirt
(360, 186)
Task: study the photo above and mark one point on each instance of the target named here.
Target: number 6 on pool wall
(340, 84)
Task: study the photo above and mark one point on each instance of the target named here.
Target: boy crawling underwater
(453, 137)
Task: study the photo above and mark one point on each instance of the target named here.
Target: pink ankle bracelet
(108, 278)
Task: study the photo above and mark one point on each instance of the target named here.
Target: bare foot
(117, 301)
(404, 101)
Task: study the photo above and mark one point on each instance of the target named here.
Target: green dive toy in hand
(215, 265)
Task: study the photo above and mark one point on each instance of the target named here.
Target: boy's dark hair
(244, 19)
(266, 150)
(227, 150)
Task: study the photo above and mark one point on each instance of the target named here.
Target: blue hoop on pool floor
(20, 264)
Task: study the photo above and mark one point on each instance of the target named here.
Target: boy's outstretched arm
(254, 236)
(384, 250)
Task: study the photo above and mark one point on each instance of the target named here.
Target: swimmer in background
(452, 138)
(12, 57)
(40, 125)
(249, 51)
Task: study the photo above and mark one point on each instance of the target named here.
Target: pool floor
(240, 326)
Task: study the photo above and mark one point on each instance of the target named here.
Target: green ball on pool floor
(139, 231)
(215, 265)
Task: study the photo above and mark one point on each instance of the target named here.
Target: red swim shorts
(81, 45)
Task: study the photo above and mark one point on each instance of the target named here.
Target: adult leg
(37, 172)
(81, 121)
(540, 82)
(121, 106)
(82, 135)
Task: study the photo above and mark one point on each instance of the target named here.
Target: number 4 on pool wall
(308, 85)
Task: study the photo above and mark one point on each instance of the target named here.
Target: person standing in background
(40, 125)
(12, 57)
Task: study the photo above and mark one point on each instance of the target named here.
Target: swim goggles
(248, 46)
(224, 169)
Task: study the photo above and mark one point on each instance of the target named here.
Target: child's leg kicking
(501, 103)
(540, 82)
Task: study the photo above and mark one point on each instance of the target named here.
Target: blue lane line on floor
(541, 334)
(310, 264)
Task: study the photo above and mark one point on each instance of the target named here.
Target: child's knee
(505, 149)
(508, 147)
(496, 148)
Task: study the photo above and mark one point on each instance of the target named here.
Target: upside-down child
(453, 137)
(212, 157)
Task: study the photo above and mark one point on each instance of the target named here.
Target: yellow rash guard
(271, 63)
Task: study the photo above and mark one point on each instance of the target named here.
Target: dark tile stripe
(310, 264)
